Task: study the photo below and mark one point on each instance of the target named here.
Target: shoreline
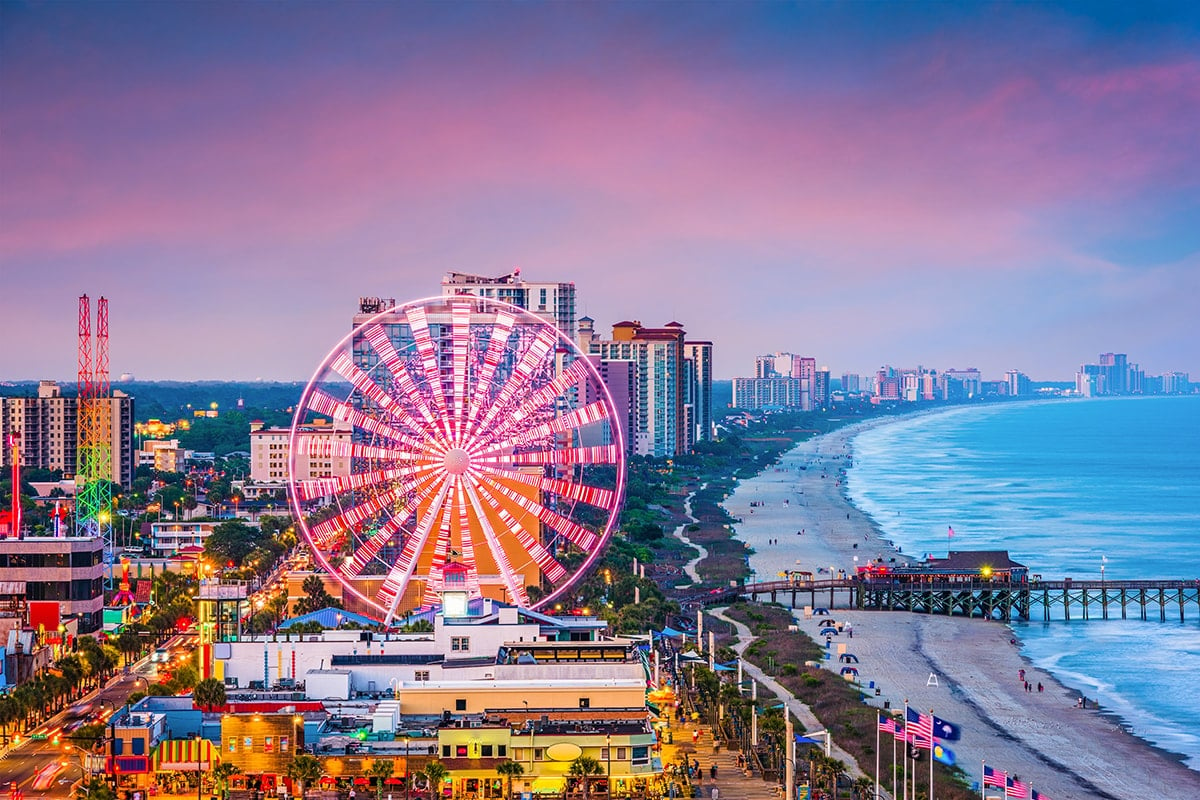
(1040, 736)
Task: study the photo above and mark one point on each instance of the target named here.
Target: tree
(435, 773)
(95, 789)
(304, 769)
(209, 694)
(317, 598)
(585, 768)
(222, 773)
(231, 542)
(381, 769)
(509, 770)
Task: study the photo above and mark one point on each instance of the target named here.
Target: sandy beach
(1065, 752)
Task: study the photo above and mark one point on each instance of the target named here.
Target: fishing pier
(988, 585)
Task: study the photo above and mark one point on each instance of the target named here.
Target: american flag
(1036, 795)
(1015, 789)
(886, 724)
(921, 725)
(994, 777)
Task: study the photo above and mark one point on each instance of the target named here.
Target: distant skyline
(1003, 186)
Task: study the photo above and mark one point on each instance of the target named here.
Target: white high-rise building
(555, 302)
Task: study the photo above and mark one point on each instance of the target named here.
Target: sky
(1004, 186)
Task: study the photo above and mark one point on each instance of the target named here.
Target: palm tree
(435, 773)
(509, 770)
(304, 769)
(864, 788)
(209, 694)
(381, 769)
(10, 712)
(222, 773)
(585, 767)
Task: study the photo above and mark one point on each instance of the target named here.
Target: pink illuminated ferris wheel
(455, 440)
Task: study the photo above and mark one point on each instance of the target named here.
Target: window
(485, 751)
(502, 750)
(460, 644)
(622, 753)
(445, 751)
(460, 751)
(539, 754)
(139, 746)
(421, 675)
(460, 704)
(585, 702)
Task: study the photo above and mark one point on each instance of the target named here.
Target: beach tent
(829, 631)
(820, 612)
(850, 671)
(848, 658)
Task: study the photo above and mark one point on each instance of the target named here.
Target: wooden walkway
(1065, 599)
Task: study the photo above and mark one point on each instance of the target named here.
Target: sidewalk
(731, 783)
(807, 720)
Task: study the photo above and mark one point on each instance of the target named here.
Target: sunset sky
(1012, 185)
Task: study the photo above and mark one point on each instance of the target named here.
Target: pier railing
(1054, 599)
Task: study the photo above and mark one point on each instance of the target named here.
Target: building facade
(65, 570)
(47, 428)
(323, 452)
(553, 301)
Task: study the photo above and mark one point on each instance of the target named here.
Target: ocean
(1069, 488)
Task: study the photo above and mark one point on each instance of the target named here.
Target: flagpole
(931, 755)
(982, 780)
(876, 755)
(895, 794)
(906, 749)
(789, 767)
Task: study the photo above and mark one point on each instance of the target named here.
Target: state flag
(943, 754)
(946, 730)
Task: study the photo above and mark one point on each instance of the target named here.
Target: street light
(199, 767)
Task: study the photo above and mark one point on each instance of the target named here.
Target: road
(21, 764)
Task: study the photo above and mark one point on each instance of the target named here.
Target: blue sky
(951, 185)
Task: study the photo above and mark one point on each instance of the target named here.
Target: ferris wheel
(455, 441)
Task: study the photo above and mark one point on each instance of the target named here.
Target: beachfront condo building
(553, 301)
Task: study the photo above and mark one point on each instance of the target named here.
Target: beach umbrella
(361, 781)
(394, 781)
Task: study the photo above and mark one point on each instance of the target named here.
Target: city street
(24, 763)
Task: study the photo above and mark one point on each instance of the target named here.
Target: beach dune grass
(837, 703)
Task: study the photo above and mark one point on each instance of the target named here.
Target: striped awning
(181, 755)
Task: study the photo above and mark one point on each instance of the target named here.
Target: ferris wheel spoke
(468, 544)
(377, 337)
(567, 456)
(419, 324)
(507, 573)
(313, 488)
(437, 576)
(398, 577)
(572, 420)
(543, 398)
(533, 356)
(580, 492)
(374, 393)
(460, 337)
(325, 531)
(575, 533)
(497, 341)
(551, 568)
(323, 403)
(353, 565)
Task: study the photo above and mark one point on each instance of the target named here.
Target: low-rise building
(65, 570)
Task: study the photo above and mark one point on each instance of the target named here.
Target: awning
(183, 755)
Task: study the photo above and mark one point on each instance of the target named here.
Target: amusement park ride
(485, 446)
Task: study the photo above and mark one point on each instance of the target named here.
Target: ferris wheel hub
(457, 461)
